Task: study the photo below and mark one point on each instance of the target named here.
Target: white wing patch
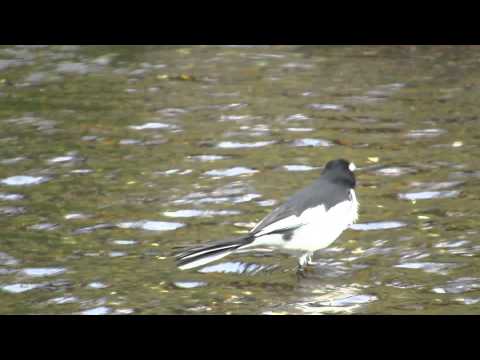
(292, 221)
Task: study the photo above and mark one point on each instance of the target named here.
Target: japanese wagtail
(310, 220)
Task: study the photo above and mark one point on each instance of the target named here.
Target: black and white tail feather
(202, 255)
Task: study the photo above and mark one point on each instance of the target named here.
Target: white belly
(319, 228)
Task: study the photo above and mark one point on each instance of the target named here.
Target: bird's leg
(303, 262)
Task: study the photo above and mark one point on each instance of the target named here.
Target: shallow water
(113, 157)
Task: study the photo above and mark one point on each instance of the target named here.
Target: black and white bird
(310, 220)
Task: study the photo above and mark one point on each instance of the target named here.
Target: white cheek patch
(352, 167)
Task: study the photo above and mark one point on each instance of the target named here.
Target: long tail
(199, 256)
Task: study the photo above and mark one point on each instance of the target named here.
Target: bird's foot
(301, 273)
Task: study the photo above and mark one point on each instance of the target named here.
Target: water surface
(113, 157)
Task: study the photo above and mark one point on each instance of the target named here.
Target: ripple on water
(297, 117)
(349, 301)
(82, 171)
(234, 267)
(189, 284)
(41, 272)
(101, 310)
(44, 227)
(175, 172)
(172, 112)
(90, 229)
(124, 311)
(76, 216)
(61, 159)
(334, 299)
(97, 285)
(299, 129)
(380, 225)
(267, 203)
(312, 143)
(19, 288)
(205, 158)
(451, 244)
(117, 254)
(153, 126)
(7, 260)
(130, 142)
(74, 68)
(151, 225)
(425, 133)
(241, 145)
(433, 186)
(327, 107)
(10, 197)
(299, 168)
(238, 117)
(395, 171)
(39, 123)
(124, 242)
(12, 210)
(235, 171)
(12, 160)
(429, 267)
(23, 180)
(427, 195)
(458, 286)
(187, 213)
(217, 200)
(63, 300)
(259, 128)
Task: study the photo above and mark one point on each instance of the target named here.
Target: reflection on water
(113, 157)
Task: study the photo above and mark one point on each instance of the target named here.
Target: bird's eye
(352, 167)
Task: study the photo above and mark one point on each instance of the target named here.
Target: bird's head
(340, 170)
